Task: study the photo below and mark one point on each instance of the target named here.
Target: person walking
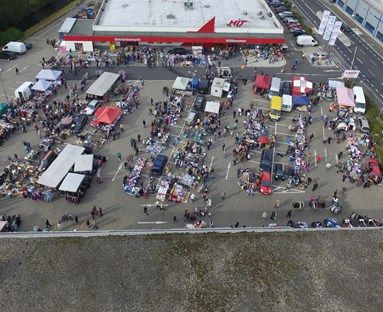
(100, 212)
(144, 123)
(264, 216)
(59, 226)
(95, 226)
(288, 186)
(47, 224)
(223, 147)
(146, 210)
(119, 156)
(223, 195)
(315, 186)
(277, 203)
(273, 216)
(76, 219)
(17, 71)
(288, 215)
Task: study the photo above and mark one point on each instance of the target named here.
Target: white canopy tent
(72, 182)
(66, 27)
(42, 85)
(335, 83)
(47, 74)
(83, 163)
(103, 84)
(212, 107)
(181, 83)
(61, 165)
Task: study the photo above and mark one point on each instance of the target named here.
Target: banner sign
(335, 32)
(329, 27)
(353, 74)
(323, 22)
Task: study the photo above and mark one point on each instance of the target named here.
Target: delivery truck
(306, 41)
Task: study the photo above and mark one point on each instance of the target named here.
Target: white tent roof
(103, 84)
(181, 83)
(83, 163)
(25, 85)
(67, 25)
(72, 182)
(212, 107)
(218, 83)
(42, 85)
(61, 165)
(47, 74)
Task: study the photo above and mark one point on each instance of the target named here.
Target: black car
(279, 174)
(180, 51)
(345, 28)
(266, 160)
(6, 55)
(298, 32)
(286, 88)
(28, 45)
(200, 103)
(159, 164)
(79, 123)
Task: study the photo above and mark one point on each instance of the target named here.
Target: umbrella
(263, 139)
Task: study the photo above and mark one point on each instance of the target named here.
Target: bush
(309, 30)
(11, 34)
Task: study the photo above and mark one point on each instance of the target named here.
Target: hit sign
(353, 74)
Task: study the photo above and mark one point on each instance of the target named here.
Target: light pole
(2, 84)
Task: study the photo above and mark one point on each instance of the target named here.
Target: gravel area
(293, 271)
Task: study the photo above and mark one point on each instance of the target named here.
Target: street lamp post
(2, 84)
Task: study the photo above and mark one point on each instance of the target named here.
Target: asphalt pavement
(122, 211)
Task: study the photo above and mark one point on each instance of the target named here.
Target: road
(368, 57)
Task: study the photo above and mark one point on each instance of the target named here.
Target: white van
(24, 92)
(360, 100)
(306, 41)
(287, 103)
(16, 47)
(275, 87)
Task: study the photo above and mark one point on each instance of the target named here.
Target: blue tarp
(194, 83)
(301, 100)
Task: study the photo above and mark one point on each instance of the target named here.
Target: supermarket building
(174, 22)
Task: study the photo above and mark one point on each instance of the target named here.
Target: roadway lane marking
(211, 163)
(359, 60)
(119, 168)
(373, 62)
(228, 169)
(371, 72)
(24, 69)
(11, 68)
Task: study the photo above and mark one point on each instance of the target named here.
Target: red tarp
(262, 82)
(105, 115)
(301, 86)
(345, 96)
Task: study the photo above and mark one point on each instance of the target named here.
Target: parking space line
(228, 169)
(118, 170)
(9, 69)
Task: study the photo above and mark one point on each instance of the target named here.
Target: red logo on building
(236, 23)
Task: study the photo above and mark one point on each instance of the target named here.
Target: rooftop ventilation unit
(188, 4)
(170, 16)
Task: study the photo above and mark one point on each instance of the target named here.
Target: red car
(374, 166)
(265, 186)
(294, 26)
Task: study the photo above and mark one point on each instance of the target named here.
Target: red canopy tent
(301, 86)
(262, 82)
(107, 115)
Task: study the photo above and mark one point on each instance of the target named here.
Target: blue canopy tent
(301, 100)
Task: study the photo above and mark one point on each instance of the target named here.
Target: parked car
(373, 164)
(7, 55)
(265, 186)
(92, 107)
(317, 55)
(49, 157)
(286, 88)
(79, 123)
(297, 25)
(180, 51)
(266, 160)
(199, 103)
(159, 164)
(279, 173)
(294, 29)
(298, 32)
(364, 126)
(345, 28)
(280, 9)
(28, 45)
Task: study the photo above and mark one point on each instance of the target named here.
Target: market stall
(179, 194)
(301, 86)
(212, 107)
(49, 75)
(217, 87)
(42, 85)
(84, 163)
(106, 117)
(130, 181)
(345, 97)
(262, 82)
(180, 86)
(103, 86)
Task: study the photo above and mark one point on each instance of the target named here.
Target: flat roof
(175, 15)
